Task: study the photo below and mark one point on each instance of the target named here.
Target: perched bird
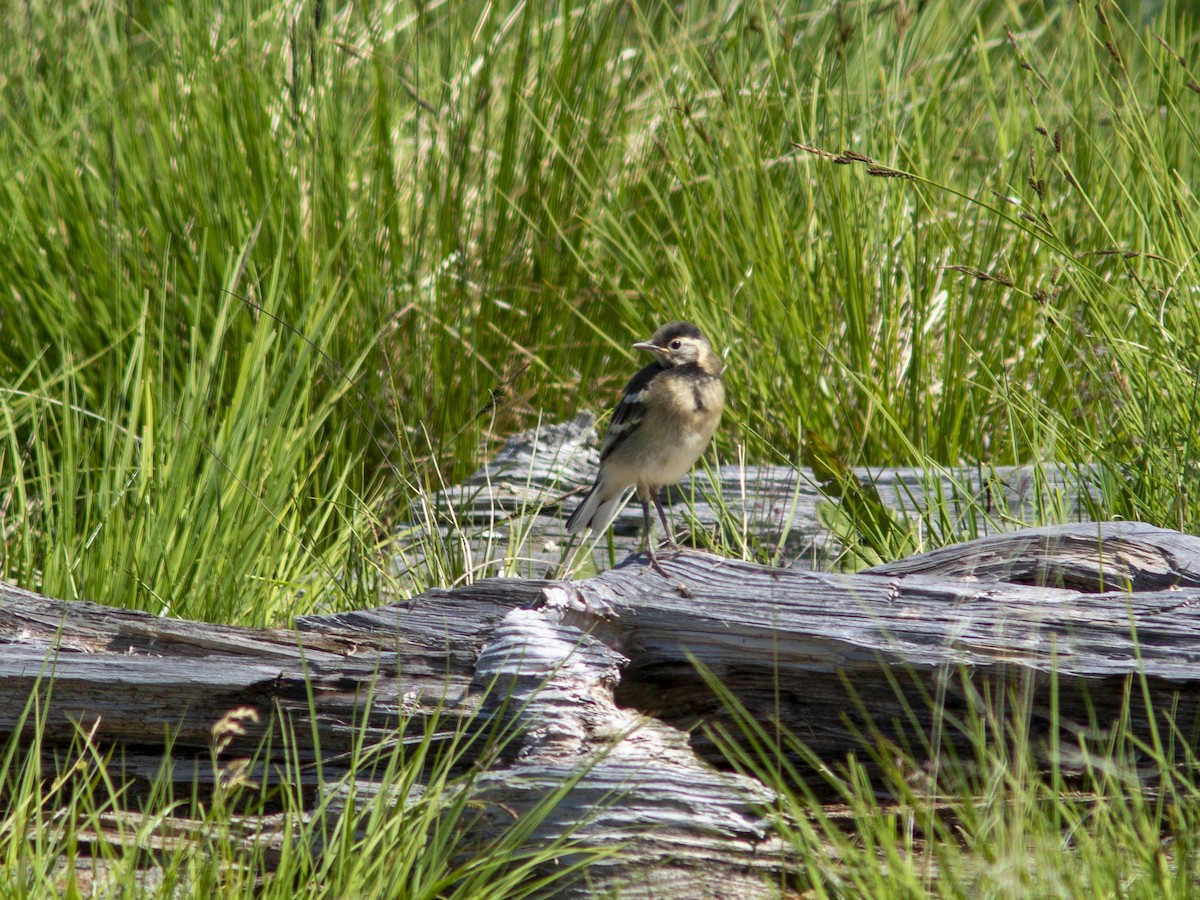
(666, 417)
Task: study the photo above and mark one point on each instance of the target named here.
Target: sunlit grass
(396, 815)
(275, 274)
(1003, 799)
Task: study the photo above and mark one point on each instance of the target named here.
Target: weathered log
(598, 678)
(143, 675)
(508, 515)
(834, 656)
(602, 671)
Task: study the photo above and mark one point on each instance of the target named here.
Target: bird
(665, 419)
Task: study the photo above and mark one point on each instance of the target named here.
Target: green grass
(398, 818)
(1009, 800)
(273, 274)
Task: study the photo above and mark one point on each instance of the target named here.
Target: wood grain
(596, 683)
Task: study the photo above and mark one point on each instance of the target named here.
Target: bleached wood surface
(509, 515)
(598, 677)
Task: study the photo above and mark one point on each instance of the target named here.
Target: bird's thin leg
(654, 563)
(662, 514)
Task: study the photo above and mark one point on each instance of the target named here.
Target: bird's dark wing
(629, 411)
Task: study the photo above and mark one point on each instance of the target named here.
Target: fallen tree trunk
(602, 680)
(604, 670)
(507, 517)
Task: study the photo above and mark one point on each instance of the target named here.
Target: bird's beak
(646, 345)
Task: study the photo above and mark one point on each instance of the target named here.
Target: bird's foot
(654, 563)
(665, 550)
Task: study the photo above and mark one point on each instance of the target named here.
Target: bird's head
(677, 344)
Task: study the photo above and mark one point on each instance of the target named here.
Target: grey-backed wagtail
(666, 417)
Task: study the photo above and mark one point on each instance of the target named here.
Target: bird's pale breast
(672, 442)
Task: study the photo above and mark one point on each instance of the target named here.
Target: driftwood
(508, 515)
(601, 678)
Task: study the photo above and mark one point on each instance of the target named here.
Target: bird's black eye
(675, 345)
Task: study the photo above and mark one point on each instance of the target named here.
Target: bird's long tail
(597, 510)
